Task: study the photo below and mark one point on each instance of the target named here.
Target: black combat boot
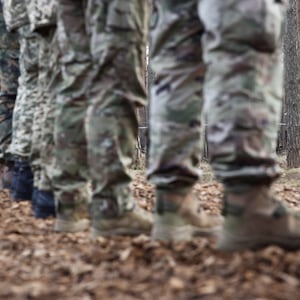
(44, 205)
(22, 181)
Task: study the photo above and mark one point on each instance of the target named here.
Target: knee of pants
(236, 25)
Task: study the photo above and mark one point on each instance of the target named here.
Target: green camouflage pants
(115, 44)
(27, 93)
(242, 90)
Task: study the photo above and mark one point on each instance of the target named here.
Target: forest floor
(36, 263)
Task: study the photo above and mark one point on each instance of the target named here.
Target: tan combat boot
(179, 217)
(71, 220)
(132, 223)
(254, 219)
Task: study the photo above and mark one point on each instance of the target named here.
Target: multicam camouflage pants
(114, 45)
(242, 90)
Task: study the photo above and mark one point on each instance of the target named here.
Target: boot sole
(228, 242)
(94, 232)
(71, 226)
(182, 233)
(206, 232)
(167, 233)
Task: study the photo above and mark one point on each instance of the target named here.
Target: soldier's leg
(22, 180)
(39, 110)
(28, 88)
(118, 43)
(23, 114)
(6, 112)
(6, 160)
(175, 118)
(243, 95)
(54, 80)
(44, 126)
(9, 73)
(51, 86)
(70, 173)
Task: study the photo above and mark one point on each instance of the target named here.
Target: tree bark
(292, 87)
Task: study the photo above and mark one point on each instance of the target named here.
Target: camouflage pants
(9, 74)
(42, 105)
(6, 111)
(115, 44)
(51, 87)
(242, 90)
(70, 173)
(27, 93)
(39, 109)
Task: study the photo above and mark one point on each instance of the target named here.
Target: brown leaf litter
(36, 263)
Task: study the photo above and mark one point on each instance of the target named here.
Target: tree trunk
(292, 88)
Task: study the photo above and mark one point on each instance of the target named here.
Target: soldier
(242, 92)
(17, 20)
(9, 74)
(114, 44)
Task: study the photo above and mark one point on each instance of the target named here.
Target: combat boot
(132, 222)
(71, 219)
(255, 219)
(44, 205)
(180, 217)
(22, 181)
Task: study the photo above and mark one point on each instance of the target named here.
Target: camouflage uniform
(115, 43)
(42, 17)
(9, 74)
(242, 99)
(43, 20)
(70, 173)
(52, 86)
(17, 19)
(243, 90)
(27, 93)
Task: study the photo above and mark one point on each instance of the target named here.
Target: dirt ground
(36, 263)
